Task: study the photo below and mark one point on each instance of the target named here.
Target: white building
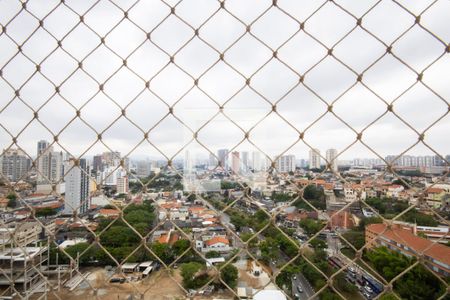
(331, 156)
(216, 243)
(314, 159)
(50, 166)
(245, 163)
(77, 187)
(14, 164)
(110, 175)
(143, 168)
(222, 154)
(235, 162)
(286, 163)
(122, 185)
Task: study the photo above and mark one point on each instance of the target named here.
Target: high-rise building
(438, 161)
(189, 163)
(42, 145)
(414, 161)
(14, 164)
(97, 163)
(111, 158)
(314, 159)
(49, 166)
(285, 163)
(331, 156)
(77, 187)
(235, 162)
(143, 168)
(212, 162)
(222, 154)
(110, 175)
(256, 161)
(122, 185)
(245, 161)
(302, 163)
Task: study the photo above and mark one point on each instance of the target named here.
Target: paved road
(306, 287)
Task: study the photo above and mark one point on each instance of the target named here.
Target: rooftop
(418, 244)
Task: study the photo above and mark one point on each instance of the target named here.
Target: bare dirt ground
(158, 286)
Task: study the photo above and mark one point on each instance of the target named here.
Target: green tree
(388, 263)
(139, 217)
(311, 226)
(318, 243)
(163, 251)
(329, 294)
(389, 296)
(356, 238)
(192, 276)
(119, 236)
(45, 212)
(229, 275)
(79, 249)
(12, 200)
(419, 283)
(343, 285)
(212, 254)
(180, 246)
(367, 221)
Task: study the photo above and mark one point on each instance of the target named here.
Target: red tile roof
(109, 212)
(418, 244)
(217, 239)
(434, 190)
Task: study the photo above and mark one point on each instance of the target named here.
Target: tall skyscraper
(331, 156)
(245, 161)
(97, 163)
(50, 166)
(222, 154)
(212, 162)
(189, 163)
(122, 185)
(42, 145)
(143, 168)
(235, 162)
(256, 161)
(14, 164)
(285, 163)
(314, 159)
(111, 158)
(77, 187)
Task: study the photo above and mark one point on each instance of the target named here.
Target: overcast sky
(247, 55)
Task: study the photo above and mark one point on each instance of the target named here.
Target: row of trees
(117, 238)
(160, 182)
(418, 283)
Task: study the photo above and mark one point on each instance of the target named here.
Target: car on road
(299, 289)
(367, 295)
(294, 277)
(350, 279)
(368, 289)
(296, 296)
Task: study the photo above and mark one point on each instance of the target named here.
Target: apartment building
(397, 238)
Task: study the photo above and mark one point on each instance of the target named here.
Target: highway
(304, 284)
